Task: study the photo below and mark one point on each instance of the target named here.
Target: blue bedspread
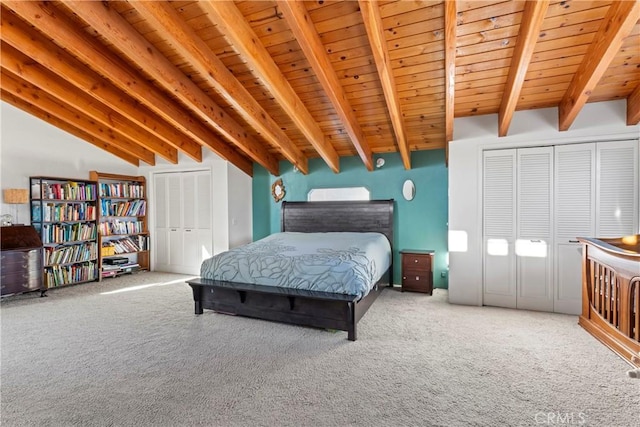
(345, 263)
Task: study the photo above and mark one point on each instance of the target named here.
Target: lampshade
(16, 196)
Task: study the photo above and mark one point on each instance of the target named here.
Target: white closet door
(174, 208)
(534, 228)
(183, 221)
(499, 230)
(575, 216)
(161, 233)
(617, 188)
(198, 241)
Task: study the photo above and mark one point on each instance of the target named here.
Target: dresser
(417, 270)
(20, 260)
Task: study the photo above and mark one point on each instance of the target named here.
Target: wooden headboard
(360, 216)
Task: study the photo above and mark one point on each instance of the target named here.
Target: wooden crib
(611, 292)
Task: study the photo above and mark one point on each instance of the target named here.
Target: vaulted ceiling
(263, 81)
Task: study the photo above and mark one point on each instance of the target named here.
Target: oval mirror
(408, 190)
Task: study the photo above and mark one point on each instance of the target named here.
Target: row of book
(61, 233)
(87, 251)
(122, 189)
(67, 274)
(110, 228)
(63, 212)
(128, 244)
(129, 208)
(64, 191)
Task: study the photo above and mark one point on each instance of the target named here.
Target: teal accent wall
(419, 224)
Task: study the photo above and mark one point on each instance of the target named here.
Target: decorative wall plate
(277, 190)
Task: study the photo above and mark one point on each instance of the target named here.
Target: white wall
(32, 147)
(596, 122)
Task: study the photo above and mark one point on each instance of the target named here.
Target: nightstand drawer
(417, 283)
(416, 262)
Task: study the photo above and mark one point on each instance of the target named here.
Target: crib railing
(611, 293)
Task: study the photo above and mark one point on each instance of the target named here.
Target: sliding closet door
(534, 229)
(617, 188)
(499, 228)
(575, 216)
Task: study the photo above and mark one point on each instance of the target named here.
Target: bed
(289, 298)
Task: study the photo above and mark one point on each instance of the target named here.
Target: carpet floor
(130, 352)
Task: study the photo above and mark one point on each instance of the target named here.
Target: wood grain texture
(241, 80)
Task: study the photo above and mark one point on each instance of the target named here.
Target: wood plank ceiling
(264, 81)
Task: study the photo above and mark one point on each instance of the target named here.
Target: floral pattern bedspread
(345, 263)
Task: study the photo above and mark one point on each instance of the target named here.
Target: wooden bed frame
(301, 307)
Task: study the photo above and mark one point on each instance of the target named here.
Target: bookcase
(123, 233)
(64, 213)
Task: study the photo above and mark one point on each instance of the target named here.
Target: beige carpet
(130, 352)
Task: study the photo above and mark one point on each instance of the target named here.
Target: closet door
(575, 216)
(161, 232)
(174, 213)
(534, 229)
(499, 228)
(617, 189)
(197, 234)
(183, 221)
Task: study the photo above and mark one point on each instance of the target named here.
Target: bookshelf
(123, 233)
(64, 213)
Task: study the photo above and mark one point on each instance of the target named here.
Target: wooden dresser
(21, 260)
(417, 271)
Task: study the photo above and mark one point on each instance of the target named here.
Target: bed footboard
(299, 307)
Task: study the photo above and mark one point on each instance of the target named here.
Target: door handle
(574, 241)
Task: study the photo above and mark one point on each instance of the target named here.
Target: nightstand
(417, 270)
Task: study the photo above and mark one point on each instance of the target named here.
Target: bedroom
(447, 191)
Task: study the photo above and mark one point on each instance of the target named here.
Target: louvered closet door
(499, 230)
(617, 188)
(575, 216)
(534, 229)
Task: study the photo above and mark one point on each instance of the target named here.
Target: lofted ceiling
(264, 81)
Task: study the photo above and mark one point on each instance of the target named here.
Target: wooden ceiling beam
(619, 21)
(44, 17)
(65, 93)
(532, 18)
(237, 30)
(67, 127)
(114, 28)
(370, 11)
(164, 19)
(450, 42)
(633, 107)
(51, 57)
(308, 38)
(34, 95)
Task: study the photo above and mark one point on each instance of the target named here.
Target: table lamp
(16, 196)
